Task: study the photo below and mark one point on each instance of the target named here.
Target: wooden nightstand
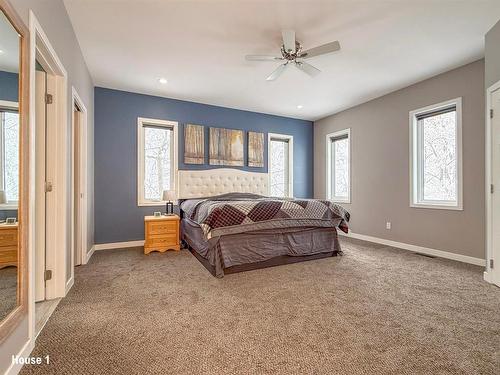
(8, 245)
(161, 233)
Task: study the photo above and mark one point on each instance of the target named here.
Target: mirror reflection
(9, 165)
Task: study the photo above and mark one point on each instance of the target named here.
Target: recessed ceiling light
(1, 51)
(300, 106)
(163, 81)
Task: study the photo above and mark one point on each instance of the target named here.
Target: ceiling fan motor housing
(291, 55)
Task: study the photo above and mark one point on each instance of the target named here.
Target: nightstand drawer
(162, 227)
(8, 254)
(163, 240)
(8, 237)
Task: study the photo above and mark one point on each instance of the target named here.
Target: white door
(40, 133)
(77, 214)
(495, 197)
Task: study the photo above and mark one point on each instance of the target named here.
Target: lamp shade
(168, 195)
(3, 197)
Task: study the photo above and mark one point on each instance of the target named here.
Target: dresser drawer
(8, 237)
(162, 227)
(161, 240)
(8, 254)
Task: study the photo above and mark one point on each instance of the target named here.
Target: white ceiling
(199, 46)
(9, 46)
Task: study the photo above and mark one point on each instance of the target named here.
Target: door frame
(83, 171)
(56, 254)
(488, 276)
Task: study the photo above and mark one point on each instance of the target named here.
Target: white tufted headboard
(210, 182)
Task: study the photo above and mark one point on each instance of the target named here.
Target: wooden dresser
(161, 233)
(8, 245)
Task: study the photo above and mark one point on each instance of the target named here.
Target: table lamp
(169, 196)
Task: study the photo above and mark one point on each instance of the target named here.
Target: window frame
(12, 106)
(416, 161)
(286, 138)
(141, 121)
(329, 176)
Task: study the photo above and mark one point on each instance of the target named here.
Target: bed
(230, 224)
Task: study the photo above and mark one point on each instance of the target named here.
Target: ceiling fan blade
(307, 68)
(277, 72)
(321, 50)
(262, 58)
(289, 40)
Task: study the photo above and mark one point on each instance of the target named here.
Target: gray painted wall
(492, 55)
(54, 20)
(117, 216)
(380, 165)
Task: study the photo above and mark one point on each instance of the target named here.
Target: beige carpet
(376, 310)
(8, 290)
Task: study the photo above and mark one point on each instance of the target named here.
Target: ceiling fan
(292, 54)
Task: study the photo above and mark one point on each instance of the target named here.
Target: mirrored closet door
(13, 161)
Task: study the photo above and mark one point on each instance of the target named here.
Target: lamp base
(170, 208)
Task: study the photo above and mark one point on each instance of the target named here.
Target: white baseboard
(24, 352)
(418, 249)
(69, 284)
(487, 277)
(118, 245)
(89, 254)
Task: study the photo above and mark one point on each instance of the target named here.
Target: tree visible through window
(341, 167)
(156, 160)
(157, 169)
(280, 150)
(435, 160)
(338, 166)
(10, 155)
(440, 157)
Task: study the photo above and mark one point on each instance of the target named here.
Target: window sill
(336, 200)
(156, 204)
(8, 207)
(437, 206)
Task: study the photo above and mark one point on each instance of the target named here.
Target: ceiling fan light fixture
(292, 52)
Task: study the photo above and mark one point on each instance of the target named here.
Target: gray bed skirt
(262, 248)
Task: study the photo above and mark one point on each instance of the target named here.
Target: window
(9, 155)
(280, 163)
(157, 160)
(338, 174)
(436, 160)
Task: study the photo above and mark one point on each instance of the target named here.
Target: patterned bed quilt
(241, 212)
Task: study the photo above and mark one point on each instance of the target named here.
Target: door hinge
(49, 99)
(48, 187)
(491, 113)
(492, 188)
(47, 275)
(491, 264)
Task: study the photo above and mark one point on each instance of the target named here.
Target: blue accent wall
(117, 216)
(9, 86)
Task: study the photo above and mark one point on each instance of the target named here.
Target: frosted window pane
(440, 157)
(341, 168)
(11, 155)
(279, 168)
(157, 159)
